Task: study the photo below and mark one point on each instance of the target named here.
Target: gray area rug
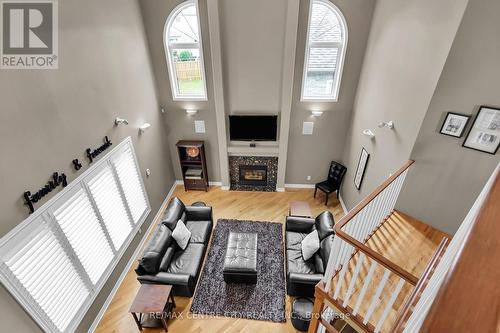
(262, 301)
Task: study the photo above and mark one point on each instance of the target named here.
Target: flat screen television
(253, 128)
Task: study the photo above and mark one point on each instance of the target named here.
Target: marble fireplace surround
(234, 172)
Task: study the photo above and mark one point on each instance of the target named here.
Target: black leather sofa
(164, 262)
(303, 275)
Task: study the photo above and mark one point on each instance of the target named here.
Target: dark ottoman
(240, 263)
(301, 313)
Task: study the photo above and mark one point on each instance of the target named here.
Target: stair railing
(352, 233)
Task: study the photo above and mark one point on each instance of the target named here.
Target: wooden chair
(336, 174)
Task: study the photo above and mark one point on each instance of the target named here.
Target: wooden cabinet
(193, 164)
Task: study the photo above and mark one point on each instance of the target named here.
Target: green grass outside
(190, 86)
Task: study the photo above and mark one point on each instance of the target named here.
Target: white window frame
(342, 47)
(45, 212)
(176, 95)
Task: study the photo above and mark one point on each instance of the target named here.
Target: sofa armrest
(305, 278)
(165, 278)
(299, 224)
(198, 213)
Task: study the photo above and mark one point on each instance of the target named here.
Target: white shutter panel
(129, 177)
(78, 221)
(110, 204)
(42, 267)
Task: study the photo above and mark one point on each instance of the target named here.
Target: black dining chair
(336, 174)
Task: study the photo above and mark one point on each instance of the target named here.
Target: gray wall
(178, 124)
(252, 41)
(446, 177)
(408, 45)
(310, 155)
(49, 117)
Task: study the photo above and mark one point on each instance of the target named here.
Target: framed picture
(454, 124)
(360, 170)
(484, 134)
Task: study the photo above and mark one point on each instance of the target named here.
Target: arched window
(184, 53)
(325, 51)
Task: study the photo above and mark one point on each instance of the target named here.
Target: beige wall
(178, 124)
(49, 117)
(252, 40)
(408, 45)
(446, 177)
(310, 155)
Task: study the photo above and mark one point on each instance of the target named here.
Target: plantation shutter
(41, 266)
(80, 225)
(57, 260)
(109, 202)
(130, 180)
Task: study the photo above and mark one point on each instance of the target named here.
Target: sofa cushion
(167, 258)
(154, 252)
(173, 213)
(188, 261)
(310, 245)
(294, 240)
(325, 248)
(200, 231)
(181, 234)
(297, 264)
(325, 224)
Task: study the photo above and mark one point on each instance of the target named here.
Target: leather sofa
(164, 262)
(302, 275)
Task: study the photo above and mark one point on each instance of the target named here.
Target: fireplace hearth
(253, 173)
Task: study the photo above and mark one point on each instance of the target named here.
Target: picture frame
(484, 134)
(360, 170)
(454, 124)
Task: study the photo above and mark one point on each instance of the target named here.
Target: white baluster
(341, 280)
(354, 278)
(365, 287)
(389, 305)
(376, 297)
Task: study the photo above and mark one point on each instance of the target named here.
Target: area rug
(262, 301)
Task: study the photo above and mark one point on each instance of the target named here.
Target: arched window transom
(184, 53)
(325, 52)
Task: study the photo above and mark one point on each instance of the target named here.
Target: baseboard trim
(343, 205)
(132, 259)
(280, 189)
(299, 185)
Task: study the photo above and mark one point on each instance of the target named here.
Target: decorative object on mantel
(57, 179)
(454, 124)
(193, 164)
(360, 170)
(484, 134)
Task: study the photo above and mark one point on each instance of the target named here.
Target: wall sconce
(389, 124)
(119, 121)
(144, 127)
(191, 112)
(317, 113)
(369, 133)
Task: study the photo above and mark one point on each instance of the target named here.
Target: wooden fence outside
(188, 70)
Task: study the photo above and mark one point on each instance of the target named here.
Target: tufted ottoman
(240, 262)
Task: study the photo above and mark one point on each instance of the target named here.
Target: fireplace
(255, 175)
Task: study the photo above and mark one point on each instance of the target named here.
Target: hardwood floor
(263, 206)
(257, 206)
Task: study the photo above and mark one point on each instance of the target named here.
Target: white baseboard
(225, 188)
(343, 205)
(133, 259)
(280, 189)
(299, 185)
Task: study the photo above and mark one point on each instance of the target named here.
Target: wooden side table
(299, 209)
(152, 306)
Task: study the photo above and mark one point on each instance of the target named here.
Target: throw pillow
(310, 245)
(181, 234)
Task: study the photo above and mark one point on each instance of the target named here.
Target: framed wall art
(360, 170)
(484, 134)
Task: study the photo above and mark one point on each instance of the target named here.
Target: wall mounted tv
(253, 128)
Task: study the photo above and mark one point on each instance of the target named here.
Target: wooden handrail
(469, 297)
(405, 311)
(362, 247)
